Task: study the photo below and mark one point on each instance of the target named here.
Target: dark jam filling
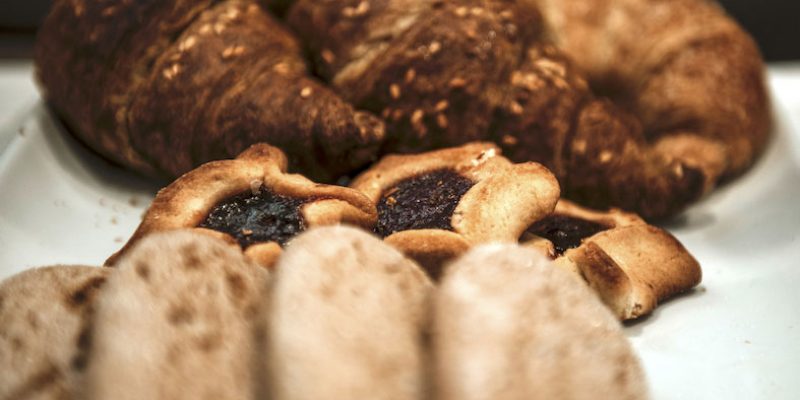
(425, 201)
(565, 232)
(258, 217)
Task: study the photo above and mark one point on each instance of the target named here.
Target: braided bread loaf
(639, 104)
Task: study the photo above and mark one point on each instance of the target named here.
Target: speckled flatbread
(43, 319)
(346, 320)
(175, 322)
(510, 325)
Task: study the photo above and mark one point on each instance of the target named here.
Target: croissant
(640, 104)
(163, 86)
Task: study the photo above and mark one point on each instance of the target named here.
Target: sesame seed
(328, 56)
(306, 92)
(458, 82)
(187, 44)
(434, 47)
(516, 108)
(442, 105)
(441, 120)
(394, 91)
(605, 156)
(281, 68)
(509, 140)
(416, 116)
(410, 75)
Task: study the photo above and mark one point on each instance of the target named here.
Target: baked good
(433, 206)
(345, 320)
(175, 321)
(630, 264)
(679, 115)
(509, 325)
(44, 330)
(162, 87)
(638, 104)
(252, 201)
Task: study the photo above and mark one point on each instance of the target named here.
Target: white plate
(736, 337)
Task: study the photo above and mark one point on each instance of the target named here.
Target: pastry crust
(185, 203)
(504, 200)
(631, 265)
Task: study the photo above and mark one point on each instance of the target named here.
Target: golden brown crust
(631, 265)
(504, 200)
(445, 73)
(162, 87)
(186, 202)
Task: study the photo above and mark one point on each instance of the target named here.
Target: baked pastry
(508, 325)
(175, 321)
(680, 115)
(162, 87)
(252, 201)
(630, 264)
(44, 334)
(345, 320)
(433, 206)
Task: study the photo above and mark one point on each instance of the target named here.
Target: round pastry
(175, 321)
(45, 316)
(435, 205)
(630, 264)
(253, 202)
(508, 325)
(345, 319)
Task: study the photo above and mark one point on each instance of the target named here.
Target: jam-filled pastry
(631, 265)
(44, 321)
(433, 206)
(252, 201)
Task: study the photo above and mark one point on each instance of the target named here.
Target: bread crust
(504, 200)
(185, 203)
(631, 265)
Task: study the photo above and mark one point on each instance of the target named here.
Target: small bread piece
(346, 320)
(433, 206)
(253, 201)
(630, 264)
(175, 322)
(509, 325)
(44, 314)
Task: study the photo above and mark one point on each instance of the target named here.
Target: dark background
(774, 24)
